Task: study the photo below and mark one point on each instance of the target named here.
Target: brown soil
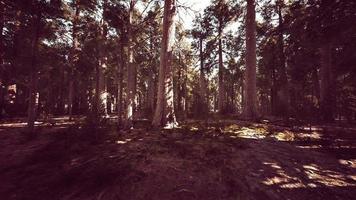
(202, 160)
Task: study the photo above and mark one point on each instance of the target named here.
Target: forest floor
(214, 160)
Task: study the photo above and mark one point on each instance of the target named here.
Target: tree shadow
(200, 160)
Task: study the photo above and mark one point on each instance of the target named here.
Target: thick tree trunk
(151, 90)
(101, 96)
(31, 117)
(250, 103)
(74, 60)
(2, 22)
(103, 92)
(100, 103)
(32, 102)
(131, 72)
(221, 87)
(326, 84)
(284, 85)
(202, 93)
(120, 82)
(2, 55)
(164, 113)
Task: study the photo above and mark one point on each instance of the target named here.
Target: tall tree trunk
(109, 101)
(120, 81)
(131, 71)
(103, 64)
(2, 22)
(284, 85)
(221, 89)
(2, 55)
(31, 117)
(185, 92)
(316, 84)
(326, 84)
(100, 99)
(61, 93)
(151, 81)
(202, 93)
(179, 85)
(274, 92)
(74, 59)
(250, 103)
(164, 113)
(71, 95)
(150, 93)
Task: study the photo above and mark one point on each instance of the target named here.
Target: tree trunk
(100, 99)
(250, 103)
(164, 113)
(326, 84)
(150, 93)
(131, 72)
(103, 65)
(202, 93)
(120, 82)
(31, 117)
(274, 92)
(221, 89)
(2, 22)
(284, 86)
(74, 59)
(316, 84)
(2, 55)
(152, 81)
(185, 92)
(61, 93)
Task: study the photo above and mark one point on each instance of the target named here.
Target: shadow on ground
(201, 160)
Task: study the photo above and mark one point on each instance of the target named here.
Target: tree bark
(326, 84)
(164, 113)
(316, 84)
(284, 85)
(2, 55)
(74, 59)
(120, 82)
(221, 89)
(2, 22)
(150, 93)
(31, 117)
(250, 103)
(131, 72)
(202, 93)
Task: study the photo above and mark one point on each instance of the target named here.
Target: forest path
(201, 160)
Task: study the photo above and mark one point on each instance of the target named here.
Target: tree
(201, 31)
(164, 113)
(250, 101)
(220, 13)
(131, 69)
(74, 56)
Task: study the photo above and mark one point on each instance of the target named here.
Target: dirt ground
(201, 160)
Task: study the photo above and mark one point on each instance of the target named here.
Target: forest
(177, 99)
